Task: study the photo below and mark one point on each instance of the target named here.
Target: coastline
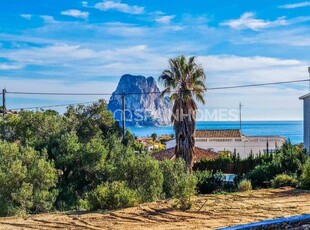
(292, 130)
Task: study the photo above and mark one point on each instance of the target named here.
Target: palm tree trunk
(184, 127)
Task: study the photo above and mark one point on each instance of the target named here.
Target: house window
(221, 140)
(202, 140)
(269, 150)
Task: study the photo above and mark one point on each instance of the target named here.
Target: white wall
(242, 145)
(306, 123)
(170, 144)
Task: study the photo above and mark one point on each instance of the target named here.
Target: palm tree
(185, 83)
(154, 137)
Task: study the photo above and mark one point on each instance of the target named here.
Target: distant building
(306, 99)
(200, 154)
(232, 140)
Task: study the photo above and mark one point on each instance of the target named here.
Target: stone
(143, 104)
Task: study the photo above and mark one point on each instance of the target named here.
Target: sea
(292, 130)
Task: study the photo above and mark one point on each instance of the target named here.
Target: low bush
(283, 180)
(245, 185)
(305, 176)
(183, 189)
(171, 170)
(110, 196)
(27, 180)
(177, 183)
(209, 182)
(140, 172)
(262, 175)
(204, 182)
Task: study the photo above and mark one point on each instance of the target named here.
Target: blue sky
(85, 46)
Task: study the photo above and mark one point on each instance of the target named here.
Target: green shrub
(183, 189)
(140, 172)
(27, 180)
(209, 182)
(146, 178)
(245, 185)
(111, 196)
(204, 182)
(177, 183)
(290, 158)
(171, 170)
(283, 180)
(305, 176)
(83, 204)
(263, 174)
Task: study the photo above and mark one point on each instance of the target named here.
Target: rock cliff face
(142, 107)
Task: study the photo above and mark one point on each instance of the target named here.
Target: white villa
(232, 140)
(306, 101)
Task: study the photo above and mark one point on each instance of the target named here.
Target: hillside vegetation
(77, 162)
(207, 212)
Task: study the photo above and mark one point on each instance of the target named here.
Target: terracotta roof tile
(204, 154)
(218, 133)
(200, 154)
(164, 154)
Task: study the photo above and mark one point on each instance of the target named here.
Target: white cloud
(281, 101)
(105, 51)
(85, 4)
(10, 67)
(165, 19)
(158, 12)
(26, 16)
(260, 103)
(286, 38)
(118, 6)
(72, 60)
(76, 13)
(79, 63)
(232, 63)
(57, 53)
(248, 21)
(125, 30)
(49, 85)
(295, 5)
(223, 70)
(48, 19)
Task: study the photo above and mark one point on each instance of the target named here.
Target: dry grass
(208, 212)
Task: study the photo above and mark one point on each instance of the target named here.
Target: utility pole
(267, 145)
(240, 115)
(3, 102)
(308, 118)
(309, 77)
(123, 116)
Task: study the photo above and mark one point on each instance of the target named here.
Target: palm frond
(184, 81)
(200, 98)
(165, 92)
(174, 97)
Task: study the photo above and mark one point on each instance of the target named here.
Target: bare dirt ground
(208, 212)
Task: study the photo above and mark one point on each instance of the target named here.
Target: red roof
(200, 154)
(218, 133)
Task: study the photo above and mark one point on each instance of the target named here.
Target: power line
(51, 106)
(79, 94)
(131, 93)
(61, 94)
(155, 92)
(55, 106)
(258, 84)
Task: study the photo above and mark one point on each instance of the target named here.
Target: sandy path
(208, 212)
